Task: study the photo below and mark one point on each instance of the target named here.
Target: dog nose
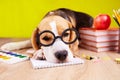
(61, 55)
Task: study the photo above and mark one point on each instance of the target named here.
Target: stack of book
(99, 40)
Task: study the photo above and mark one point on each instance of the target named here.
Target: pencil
(116, 20)
(116, 13)
(116, 17)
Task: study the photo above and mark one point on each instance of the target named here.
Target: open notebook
(39, 64)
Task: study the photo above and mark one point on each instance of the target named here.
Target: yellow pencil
(116, 13)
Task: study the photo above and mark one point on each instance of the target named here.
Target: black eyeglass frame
(55, 37)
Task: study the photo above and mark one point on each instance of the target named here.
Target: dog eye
(65, 34)
(46, 38)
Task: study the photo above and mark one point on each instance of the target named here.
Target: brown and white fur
(56, 21)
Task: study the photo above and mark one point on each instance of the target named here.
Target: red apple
(102, 22)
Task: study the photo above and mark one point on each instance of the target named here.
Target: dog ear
(35, 39)
(73, 46)
(70, 24)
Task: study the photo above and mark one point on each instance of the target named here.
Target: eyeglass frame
(55, 37)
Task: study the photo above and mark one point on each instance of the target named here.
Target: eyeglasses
(47, 38)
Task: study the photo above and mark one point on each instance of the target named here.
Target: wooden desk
(105, 69)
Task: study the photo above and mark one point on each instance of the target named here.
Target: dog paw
(38, 55)
(8, 46)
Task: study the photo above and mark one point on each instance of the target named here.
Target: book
(99, 49)
(92, 31)
(99, 44)
(103, 38)
(99, 40)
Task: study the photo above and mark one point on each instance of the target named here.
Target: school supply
(99, 40)
(116, 17)
(39, 64)
(12, 57)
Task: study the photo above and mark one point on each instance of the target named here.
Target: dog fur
(56, 21)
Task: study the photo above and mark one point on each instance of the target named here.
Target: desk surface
(104, 69)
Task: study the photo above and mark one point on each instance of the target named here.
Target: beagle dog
(56, 36)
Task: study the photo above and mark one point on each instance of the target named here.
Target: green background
(18, 18)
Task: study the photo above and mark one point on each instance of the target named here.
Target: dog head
(47, 36)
